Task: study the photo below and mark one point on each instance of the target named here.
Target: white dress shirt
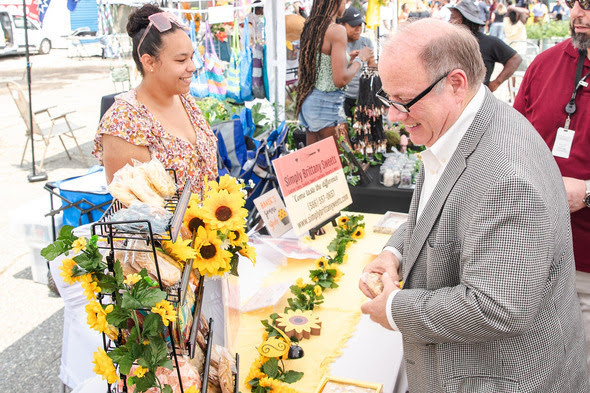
(435, 160)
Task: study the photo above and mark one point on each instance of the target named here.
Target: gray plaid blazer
(488, 301)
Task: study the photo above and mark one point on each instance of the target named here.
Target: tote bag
(198, 87)
(246, 64)
(216, 81)
(233, 72)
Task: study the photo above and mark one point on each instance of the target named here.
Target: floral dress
(129, 119)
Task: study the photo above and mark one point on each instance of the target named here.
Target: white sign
(273, 213)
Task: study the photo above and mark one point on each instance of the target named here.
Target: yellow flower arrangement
(140, 372)
(342, 220)
(79, 245)
(104, 366)
(211, 259)
(299, 323)
(238, 237)
(166, 311)
(181, 250)
(194, 218)
(249, 252)
(67, 271)
(300, 283)
(227, 183)
(132, 279)
(321, 262)
(317, 290)
(224, 211)
(96, 316)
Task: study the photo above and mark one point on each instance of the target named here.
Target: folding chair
(45, 124)
(121, 78)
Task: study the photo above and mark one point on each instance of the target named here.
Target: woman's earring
(152, 70)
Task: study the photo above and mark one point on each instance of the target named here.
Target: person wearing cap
(493, 50)
(353, 23)
(479, 279)
(546, 89)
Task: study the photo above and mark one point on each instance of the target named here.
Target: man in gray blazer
(485, 260)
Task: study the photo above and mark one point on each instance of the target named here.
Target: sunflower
(194, 200)
(211, 259)
(342, 221)
(90, 286)
(67, 271)
(139, 372)
(131, 279)
(79, 245)
(321, 262)
(358, 233)
(224, 211)
(338, 274)
(192, 389)
(299, 323)
(166, 311)
(317, 290)
(300, 283)
(194, 218)
(97, 316)
(104, 366)
(238, 237)
(227, 183)
(180, 250)
(249, 252)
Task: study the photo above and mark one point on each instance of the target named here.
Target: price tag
(563, 142)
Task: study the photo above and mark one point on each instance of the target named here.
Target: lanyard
(570, 108)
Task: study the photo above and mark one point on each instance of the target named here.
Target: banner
(313, 184)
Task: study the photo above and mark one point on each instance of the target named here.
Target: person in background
(546, 89)
(487, 302)
(420, 11)
(159, 118)
(324, 70)
(493, 50)
(404, 14)
(353, 23)
(444, 12)
(560, 11)
(483, 9)
(497, 19)
(539, 11)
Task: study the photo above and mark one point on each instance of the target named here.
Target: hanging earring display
(369, 113)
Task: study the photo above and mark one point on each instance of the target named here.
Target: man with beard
(555, 97)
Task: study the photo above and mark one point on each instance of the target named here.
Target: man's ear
(459, 84)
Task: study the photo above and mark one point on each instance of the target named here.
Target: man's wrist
(587, 196)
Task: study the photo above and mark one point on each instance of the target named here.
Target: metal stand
(318, 230)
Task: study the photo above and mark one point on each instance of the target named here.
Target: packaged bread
(226, 379)
(142, 188)
(120, 186)
(170, 272)
(159, 178)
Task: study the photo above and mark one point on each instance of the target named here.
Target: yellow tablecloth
(340, 312)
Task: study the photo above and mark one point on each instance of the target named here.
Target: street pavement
(32, 317)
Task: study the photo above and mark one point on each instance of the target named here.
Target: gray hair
(453, 47)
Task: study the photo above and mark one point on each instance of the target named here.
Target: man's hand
(576, 191)
(493, 85)
(377, 308)
(385, 262)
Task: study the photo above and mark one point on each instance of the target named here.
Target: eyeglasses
(584, 4)
(163, 22)
(405, 108)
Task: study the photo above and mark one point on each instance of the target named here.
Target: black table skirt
(376, 198)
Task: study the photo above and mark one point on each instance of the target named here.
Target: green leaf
(146, 382)
(108, 284)
(271, 368)
(53, 250)
(119, 273)
(125, 364)
(152, 325)
(87, 263)
(291, 376)
(130, 302)
(152, 296)
(118, 317)
(167, 389)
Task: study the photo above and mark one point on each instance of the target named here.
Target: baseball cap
(469, 10)
(352, 16)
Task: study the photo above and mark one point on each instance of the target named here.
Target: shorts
(322, 109)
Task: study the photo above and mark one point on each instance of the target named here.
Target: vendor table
(376, 198)
(350, 344)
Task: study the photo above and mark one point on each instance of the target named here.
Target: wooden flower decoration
(299, 324)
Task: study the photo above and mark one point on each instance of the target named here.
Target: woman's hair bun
(138, 19)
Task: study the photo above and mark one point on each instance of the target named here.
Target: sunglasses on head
(584, 4)
(163, 22)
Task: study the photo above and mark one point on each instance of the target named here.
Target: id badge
(563, 142)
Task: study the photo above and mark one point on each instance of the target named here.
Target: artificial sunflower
(211, 259)
(249, 252)
(78, 245)
(192, 389)
(166, 311)
(300, 283)
(299, 324)
(224, 211)
(227, 183)
(180, 250)
(139, 372)
(67, 271)
(194, 218)
(104, 366)
(321, 262)
(131, 279)
(97, 316)
(338, 274)
(358, 233)
(90, 286)
(317, 290)
(342, 221)
(238, 237)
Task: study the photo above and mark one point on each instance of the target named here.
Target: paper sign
(273, 213)
(221, 14)
(313, 184)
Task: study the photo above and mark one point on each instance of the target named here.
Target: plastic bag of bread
(374, 283)
(158, 217)
(170, 272)
(143, 189)
(159, 178)
(119, 187)
(190, 377)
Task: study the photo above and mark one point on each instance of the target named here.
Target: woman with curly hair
(324, 70)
